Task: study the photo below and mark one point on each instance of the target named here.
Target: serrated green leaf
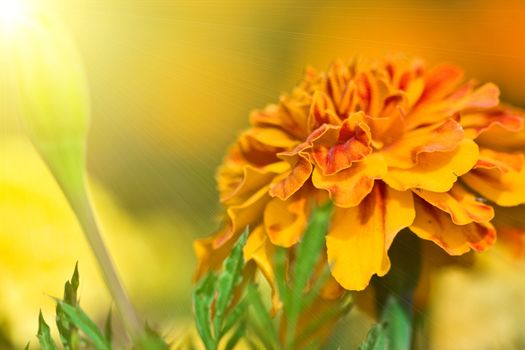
(202, 302)
(86, 325)
(227, 281)
(44, 334)
(375, 339)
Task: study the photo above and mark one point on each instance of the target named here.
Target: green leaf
(308, 254)
(236, 336)
(44, 334)
(202, 302)
(234, 316)
(375, 340)
(84, 323)
(398, 324)
(68, 332)
(227, 281)
(150, 340)
(108, 328)
(262, 316)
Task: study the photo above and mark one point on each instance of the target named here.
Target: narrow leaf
(227, 281)
(84, 323)
(44, 334)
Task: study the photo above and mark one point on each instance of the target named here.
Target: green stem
(66, 161)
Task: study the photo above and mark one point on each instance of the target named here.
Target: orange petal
(499, 176)
(321, 111)
(436, 171)
(236, 189)
(335, 148)
(462, 206)
(440, 82)
(359, 237)
(348, 187)
(285, 221)
(480, 122)
(259, 250)
(238, 217)
(486, 96)
(210, 257)
(291, 181)
(435, 225)
(274, 137)
(442, 137)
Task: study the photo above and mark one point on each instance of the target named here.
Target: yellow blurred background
(172, 83)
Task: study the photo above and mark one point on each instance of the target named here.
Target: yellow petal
(483, 121)
(440, 137)
(348, 187)
(499, 177)
(359, 237)
(435, 225)
(285, 221)
(462, 206)
(437, 171)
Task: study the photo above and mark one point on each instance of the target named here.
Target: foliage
(225, 307)
(78, 331)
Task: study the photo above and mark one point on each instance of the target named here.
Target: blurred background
(172, 83)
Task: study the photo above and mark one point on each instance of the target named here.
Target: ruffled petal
(437, 171)
(499, 176)
(359, 237)
(477, 123)
(441, 137)
(462, 206)
(348, 187)
(300, 168)
(285, 221)
(436, 225)
(335, 148)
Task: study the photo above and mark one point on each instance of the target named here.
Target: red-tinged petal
(440, 82)
(499, 176)
(285, 221)
(480, 122)
(292, 180)
(486, 96)
(348, 187)
(435, 225)
(462, 206)
(437, 171)
(359, 237)
(442, 137)
(321, 111)
(335, 148)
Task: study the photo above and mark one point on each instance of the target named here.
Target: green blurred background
(172, 83)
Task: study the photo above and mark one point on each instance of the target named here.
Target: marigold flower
(393, 144)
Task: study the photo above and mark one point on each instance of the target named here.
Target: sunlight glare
(12, 13)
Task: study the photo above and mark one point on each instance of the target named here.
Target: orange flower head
(392, 144)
